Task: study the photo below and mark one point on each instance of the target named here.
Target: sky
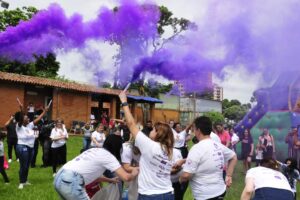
(237, 83)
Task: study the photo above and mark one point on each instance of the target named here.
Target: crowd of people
(152, 162)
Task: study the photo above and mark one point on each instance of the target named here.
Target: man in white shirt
(205, 163)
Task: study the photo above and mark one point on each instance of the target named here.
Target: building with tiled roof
(70, 101)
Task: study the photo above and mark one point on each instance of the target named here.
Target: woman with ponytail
(156, 157)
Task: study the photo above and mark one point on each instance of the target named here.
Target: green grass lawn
(42, 187)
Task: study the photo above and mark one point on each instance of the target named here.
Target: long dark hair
(165, 137)
(113, 144)
(242, 136)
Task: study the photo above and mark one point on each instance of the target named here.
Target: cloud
(239, 83)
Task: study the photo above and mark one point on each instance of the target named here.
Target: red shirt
(224, 137)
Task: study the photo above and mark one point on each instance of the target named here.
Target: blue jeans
(86, 143)
(273, 194)
(70, 185)
(165, 196)
(25, 154)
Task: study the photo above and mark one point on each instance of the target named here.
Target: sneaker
(18, 160)
(9, 160)
(21, 186)
(54, 174)
(27, 183)
(6, 183)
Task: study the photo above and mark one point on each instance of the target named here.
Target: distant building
(218, 93)
(198, 86)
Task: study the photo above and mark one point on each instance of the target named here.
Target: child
(2, 170)
(289, 169)
(259, 154)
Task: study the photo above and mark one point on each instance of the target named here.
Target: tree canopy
(234, 109)
(42, 65)
(215, 116)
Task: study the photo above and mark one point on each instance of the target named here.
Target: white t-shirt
(26, 135)
(259, 154)
(92, 117)
(92, 163)
(100, 137)
(155, 167)
(176, 157)
(127, 155)
(1, 148)
(179, 139)
(87, 132)
(215, 137)
(234, 138)
(31, 109)
(206, 161)
(266, 177)
(58, 132)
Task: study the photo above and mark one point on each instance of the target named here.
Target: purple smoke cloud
(262, 37)
(51, 29)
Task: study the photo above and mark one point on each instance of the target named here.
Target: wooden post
(89, 106)
(152, 109)
(113, 108)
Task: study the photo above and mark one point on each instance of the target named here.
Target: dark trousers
(35, 152)
(272, 193)
(2, 170)
(58, 154)
(179, 190)
(12, 143)
(25, 154)
(220, 197)
(46, 148)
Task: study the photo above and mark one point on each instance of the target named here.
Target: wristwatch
(124, 104)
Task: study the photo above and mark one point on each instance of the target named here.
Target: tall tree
(215, 116)
(13, 17)
(43, 66)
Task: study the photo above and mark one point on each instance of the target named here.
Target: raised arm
(40, 116)
(8, 122)
(128, 116)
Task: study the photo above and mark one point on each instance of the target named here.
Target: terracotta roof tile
(55, 83)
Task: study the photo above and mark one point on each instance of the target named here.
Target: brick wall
(8, 103)
(71, 106)
(163, 115)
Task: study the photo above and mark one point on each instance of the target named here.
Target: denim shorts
(70, 185)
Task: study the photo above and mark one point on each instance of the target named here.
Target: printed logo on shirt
(164, 166)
